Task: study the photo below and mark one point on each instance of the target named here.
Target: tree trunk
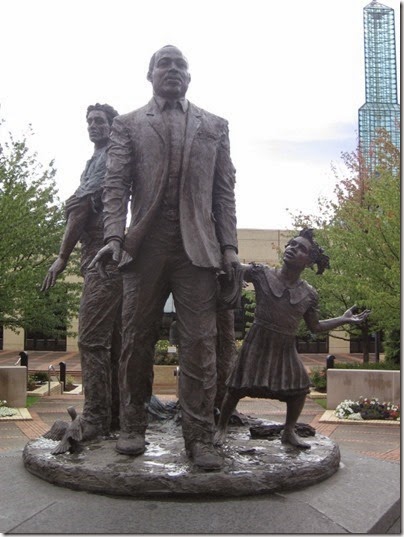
(377, 347)
(365, 341)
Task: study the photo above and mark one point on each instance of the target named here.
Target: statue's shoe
(205, 457)
(130, 443)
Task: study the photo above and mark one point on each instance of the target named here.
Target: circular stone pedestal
(251, 466)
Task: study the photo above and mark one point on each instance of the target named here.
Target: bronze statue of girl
(268, 365)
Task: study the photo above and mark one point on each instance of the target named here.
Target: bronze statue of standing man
(100, 313)
(171, 159)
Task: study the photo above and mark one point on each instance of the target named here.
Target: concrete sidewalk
(363, 496)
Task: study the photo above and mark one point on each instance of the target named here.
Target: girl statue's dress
(268, 365)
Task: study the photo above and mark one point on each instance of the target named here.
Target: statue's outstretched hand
(350, 317)
(111, 249)
(56, 268)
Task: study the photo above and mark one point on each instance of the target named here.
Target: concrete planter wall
(353, 383)
(165, 380)
(55, 388)
(13, 385)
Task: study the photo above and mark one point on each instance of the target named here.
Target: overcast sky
(287, 75)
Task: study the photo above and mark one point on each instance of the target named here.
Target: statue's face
(297, 253)
(170, 77)
(98, 127)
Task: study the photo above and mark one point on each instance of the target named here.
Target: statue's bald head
(168, 73)
(153, 58)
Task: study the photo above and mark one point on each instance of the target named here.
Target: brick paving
(33, 429)
(377, 441)
(41, 360)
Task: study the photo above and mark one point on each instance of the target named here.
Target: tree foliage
(249, 304)
(360, 231)
(31, 229)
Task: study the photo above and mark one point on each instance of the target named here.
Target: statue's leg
(144, 294)
(294, 408)
(116, 344)
(99, 303)
(194, 291)
(226, 352)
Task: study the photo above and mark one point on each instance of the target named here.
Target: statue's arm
(314, 324)
(115, 195)
(77, 211)
(224, 204)
(117, 182)
(223, 201)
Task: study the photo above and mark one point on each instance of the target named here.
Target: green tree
(360, 230)
(248, 304)
(31, 228)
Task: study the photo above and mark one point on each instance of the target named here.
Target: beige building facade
(255, 245)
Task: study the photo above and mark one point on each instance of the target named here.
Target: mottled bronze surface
(251, 466)
(170, 160)
(99, 331)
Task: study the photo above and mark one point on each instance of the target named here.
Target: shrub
(318, 378)
(31, 383)
(70, 379)
(162, 356)
(70, 383)
(41, 376)
(386, 365)
(162, 346)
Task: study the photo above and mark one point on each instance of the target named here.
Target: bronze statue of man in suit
(171, 159)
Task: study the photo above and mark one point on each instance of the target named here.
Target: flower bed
(367, 409)
(6, 411)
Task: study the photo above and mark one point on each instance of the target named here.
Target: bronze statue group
(170, 160)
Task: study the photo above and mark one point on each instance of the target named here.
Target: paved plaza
(363, 496)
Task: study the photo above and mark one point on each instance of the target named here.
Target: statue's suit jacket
(137, 168)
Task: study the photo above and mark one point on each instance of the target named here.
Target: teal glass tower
(381, 109)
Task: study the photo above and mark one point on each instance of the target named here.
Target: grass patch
(31, 400)
(321, 402)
